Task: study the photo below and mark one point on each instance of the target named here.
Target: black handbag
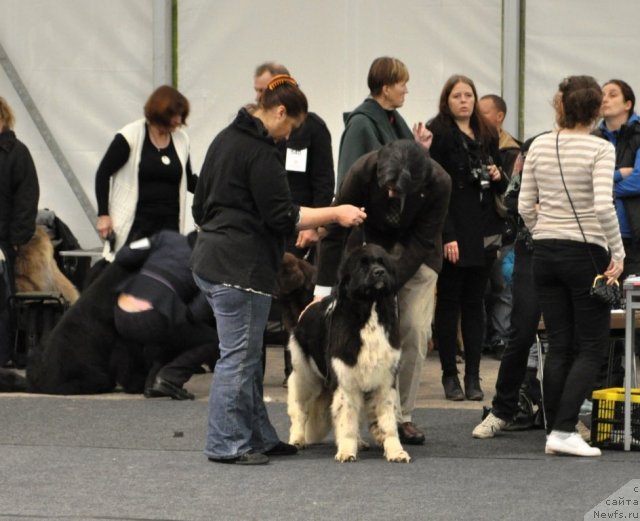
(609, 294)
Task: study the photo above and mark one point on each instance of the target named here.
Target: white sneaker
(488, 428)
(574, 445)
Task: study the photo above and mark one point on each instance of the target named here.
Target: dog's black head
(368, 272)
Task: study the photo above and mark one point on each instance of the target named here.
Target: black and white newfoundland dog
(345, 355)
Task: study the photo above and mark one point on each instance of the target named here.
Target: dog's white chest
(377, 361)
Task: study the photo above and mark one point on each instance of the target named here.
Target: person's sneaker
(573, 445)
(452, 388)
(248, 458)
(488, 427)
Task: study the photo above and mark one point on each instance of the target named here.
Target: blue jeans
(238, 420)
(577, 325)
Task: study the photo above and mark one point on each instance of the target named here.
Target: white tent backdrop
(88, 64)
(576, 37)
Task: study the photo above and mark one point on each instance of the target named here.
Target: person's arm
(528, 192)
(604, 164)
(345, 215)
(192, 178)
(320, 168)
(425, 234)
(26, 193)
(114, 159)
(359, 138)
(627, 181)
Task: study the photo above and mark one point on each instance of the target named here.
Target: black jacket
(419, 230)
(471, 217)
(244, 209)
(19, 191)
(162, 277)
(314, 187)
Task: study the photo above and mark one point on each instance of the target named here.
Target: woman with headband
(244, 210)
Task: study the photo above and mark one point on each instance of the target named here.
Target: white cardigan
(123, 195)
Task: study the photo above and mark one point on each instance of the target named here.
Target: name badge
(296, 160)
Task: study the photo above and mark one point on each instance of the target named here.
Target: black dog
(345, 358)
(83, 354)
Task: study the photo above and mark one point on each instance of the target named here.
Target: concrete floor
(430, 394)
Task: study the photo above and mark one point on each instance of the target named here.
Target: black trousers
(7, 289)
(460, 294)
(525, 316)
(173, 353)
(577, 325)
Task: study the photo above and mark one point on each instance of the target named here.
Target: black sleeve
(115, 158)
(321, 167)
(192, 179)
(26, 193)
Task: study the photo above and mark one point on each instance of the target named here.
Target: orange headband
(281, 79)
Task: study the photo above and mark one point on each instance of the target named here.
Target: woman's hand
(348, 215)
(451, 252)
(614, 271)
(104, 226)
(625, 171)
(307, 238)
(494, 172)
(422, 135)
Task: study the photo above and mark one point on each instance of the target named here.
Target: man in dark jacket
(161, 307)
(308, 159)
(406, 196)
(19, 194)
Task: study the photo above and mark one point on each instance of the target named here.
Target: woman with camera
(467, 147)
(565, 200)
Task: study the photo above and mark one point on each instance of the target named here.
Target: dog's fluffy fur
(296, 279)
(36, 268)
(345, 359)
(83, 354)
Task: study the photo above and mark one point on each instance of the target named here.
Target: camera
(481, 175)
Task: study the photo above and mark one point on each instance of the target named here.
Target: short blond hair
(6, 114)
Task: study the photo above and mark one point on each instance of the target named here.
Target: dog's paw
(298, 442)
(344, 457)
(398, 457)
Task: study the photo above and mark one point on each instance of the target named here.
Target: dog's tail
(12, 382)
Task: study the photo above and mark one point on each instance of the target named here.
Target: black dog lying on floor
(83, 354)
(345, 354)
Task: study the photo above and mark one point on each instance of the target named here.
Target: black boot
(452, 388)
(472, 388)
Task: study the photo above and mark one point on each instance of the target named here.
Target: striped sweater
(587, 164)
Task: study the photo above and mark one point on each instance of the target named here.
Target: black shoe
(472, 388)
(282, 449)
(409, 434)
(162, 388)
(249, 458)
(452, 388)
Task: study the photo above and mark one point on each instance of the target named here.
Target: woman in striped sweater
(569, 173)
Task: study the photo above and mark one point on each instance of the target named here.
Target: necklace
(166, 160)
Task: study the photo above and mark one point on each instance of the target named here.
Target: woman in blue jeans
(244, 210)
(566, 201)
